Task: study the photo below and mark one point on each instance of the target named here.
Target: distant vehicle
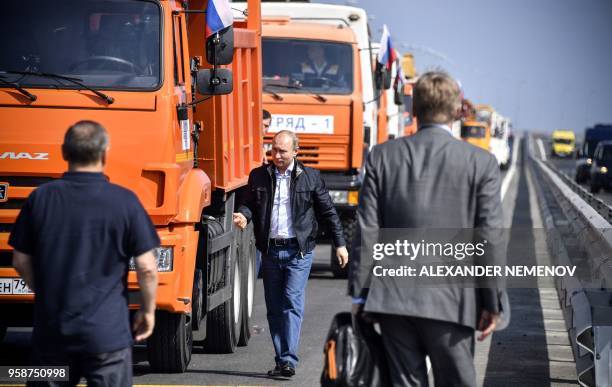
(563, 143)
(601, 166)
(476, 133)
(592, 136)
(498, 132)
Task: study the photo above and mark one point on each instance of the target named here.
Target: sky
(545, 64)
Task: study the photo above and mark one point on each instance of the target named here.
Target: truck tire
(248, 285)
(170, 345)
(349, 225)
(223, 322)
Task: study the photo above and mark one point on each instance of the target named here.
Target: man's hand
(488, 322)
(143, 325)
(239, 220)
(342, 255)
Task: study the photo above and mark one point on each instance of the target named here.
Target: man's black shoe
(287, 370)
(276, 371)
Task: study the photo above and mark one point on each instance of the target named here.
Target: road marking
(512, 169)
(541, 146)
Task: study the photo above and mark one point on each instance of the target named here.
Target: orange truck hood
(324, 128)
(31, 135)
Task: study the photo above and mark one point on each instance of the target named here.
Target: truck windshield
(468, 131)
(563, 141)
(606, 155)
(313, 66)
(483, 116)
(106, 44)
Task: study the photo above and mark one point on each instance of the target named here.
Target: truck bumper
(174, 289)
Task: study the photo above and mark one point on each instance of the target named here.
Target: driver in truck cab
(317, 65)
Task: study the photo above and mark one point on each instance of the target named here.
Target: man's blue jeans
(285, 275)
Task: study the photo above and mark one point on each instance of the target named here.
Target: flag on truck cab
(386, 54)
(218, 16)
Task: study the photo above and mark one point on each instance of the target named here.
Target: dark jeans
(285, 275)
(100, 370)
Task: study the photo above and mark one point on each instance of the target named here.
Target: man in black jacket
(284, 199)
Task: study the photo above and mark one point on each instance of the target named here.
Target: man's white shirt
(281, 223)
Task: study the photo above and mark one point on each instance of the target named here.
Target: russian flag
(386, 55)
(218, 16)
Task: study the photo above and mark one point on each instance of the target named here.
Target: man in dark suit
(428, 181)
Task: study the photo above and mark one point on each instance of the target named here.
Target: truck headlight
(164, 257)
(339, 197)
(589, 161)
(603, 170)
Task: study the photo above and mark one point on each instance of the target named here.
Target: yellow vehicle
(476, 133)
(563, 143)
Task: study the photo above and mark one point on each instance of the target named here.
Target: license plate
(311, 124)
(14, 286)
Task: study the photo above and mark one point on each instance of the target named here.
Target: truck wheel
(170, 345)
(223, 322)
(248, 285)
(349, 224)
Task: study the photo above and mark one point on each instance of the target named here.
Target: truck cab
(476, 133)
(145, 71)
(335, 115)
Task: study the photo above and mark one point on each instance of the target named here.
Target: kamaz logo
(24, 155)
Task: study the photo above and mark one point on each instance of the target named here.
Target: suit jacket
(426, 181)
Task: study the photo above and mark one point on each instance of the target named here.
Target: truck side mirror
(398, 95)
(382, 77)
(220, 47)
(387, 80)
(215, 81)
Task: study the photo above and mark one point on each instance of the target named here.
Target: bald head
(85, 144)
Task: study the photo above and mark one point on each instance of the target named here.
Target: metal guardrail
(588, 311)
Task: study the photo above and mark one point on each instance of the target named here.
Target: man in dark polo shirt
(72, 243)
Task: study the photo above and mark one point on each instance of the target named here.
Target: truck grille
(327, 157)
(14, 203)
(6, 259)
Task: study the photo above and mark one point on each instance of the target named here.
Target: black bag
(354, 354)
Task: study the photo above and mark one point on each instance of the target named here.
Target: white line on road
(541, 146)
(512, 169)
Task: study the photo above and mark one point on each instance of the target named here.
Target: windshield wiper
(77, 81)
(20, 89)
(299, 86)
(274, 94)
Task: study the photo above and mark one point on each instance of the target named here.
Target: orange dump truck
(324, 106)
(142, 69)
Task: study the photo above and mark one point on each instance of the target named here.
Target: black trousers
(100, 370)
(408, 340)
